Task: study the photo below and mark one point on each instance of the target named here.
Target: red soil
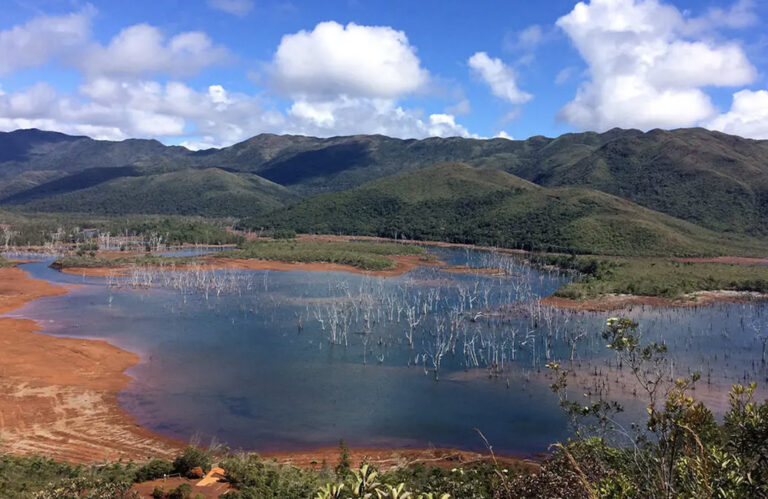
(58, 396)
(403, 264)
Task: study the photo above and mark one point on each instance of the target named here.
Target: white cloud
(214, 117)
(644, 72)
(41, 39)
(143, 49)
(234, 7)
(340, 80)
(747, 117)
(355, 115)
(740, 15)
(503, 135)
(351, 60)
(111, 109)
(530, 36)
(499, 77)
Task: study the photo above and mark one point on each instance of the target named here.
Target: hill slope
(709, 178)
(459, 203)
(209, 192)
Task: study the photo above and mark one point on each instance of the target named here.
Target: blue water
(238, 368)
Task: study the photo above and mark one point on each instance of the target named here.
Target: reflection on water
(300, 359)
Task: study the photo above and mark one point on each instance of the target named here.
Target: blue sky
(213, 72)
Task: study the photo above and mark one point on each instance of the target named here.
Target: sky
(210, 73)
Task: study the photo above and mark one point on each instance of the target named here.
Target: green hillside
(715, 180)
(459, 203)
(210, 192)
(712, 179)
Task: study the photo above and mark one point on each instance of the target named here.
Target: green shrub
(284, 234)
(183, 491)
(156, 468)
(192, 458)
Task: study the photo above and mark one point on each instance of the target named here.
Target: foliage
(28, 477)
(365, 255)
(256, 478)
(680, 451)
(37, 230)
(192, 457)
(461, 204)
(709, 178)
(655, 277)
(154, 469)
(342, 468)
(210, 192)
(183, 491)
(147, 260)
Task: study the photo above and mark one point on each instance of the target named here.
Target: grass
(653, 276)
(141, 260)
(364, 255)
(5, 262)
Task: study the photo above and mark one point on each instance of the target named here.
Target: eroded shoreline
(403, 264)
(617, 303)
(58, 396)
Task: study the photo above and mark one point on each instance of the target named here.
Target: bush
(284, 234)
(156, 468)
(192, 458)
(183, 491)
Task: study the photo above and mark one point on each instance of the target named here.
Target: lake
(269, 361)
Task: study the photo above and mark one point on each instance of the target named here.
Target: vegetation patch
(458, 203)
(653, 276)
(148, 260)
(361, 254)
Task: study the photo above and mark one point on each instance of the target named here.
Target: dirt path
(58, 396)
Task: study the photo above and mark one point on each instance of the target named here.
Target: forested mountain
(210, 191)
(456, 202)
(714, 180)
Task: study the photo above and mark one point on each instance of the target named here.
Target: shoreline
(58, 396)
(614, 302)
(403, 264)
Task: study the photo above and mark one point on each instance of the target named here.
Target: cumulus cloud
(144, 49)
(747, 117)
(645, 71)
(41, 39)
(349, 79)
(339, 79)
(234, 7)
(499, 77)
(351, 60)
(353, 115)
(115, 110)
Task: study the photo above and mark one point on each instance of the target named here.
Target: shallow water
(238, 368)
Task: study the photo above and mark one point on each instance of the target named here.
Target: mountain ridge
(709, 178)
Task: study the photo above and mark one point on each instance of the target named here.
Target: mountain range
(679, 189)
